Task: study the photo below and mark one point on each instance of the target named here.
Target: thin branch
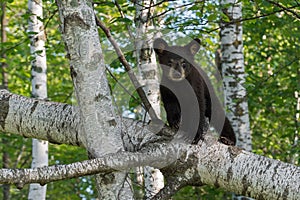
(285, 8)
(239, 20)
(171, 9)
(50, 18)
(131, 75)
(124, 88)
(105, 164)
(152, 6)
(123, 16)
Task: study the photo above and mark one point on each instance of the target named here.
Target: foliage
(272, 59)
(271, 47)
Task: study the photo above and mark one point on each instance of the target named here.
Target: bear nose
(177, 66)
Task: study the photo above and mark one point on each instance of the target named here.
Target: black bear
(179, 73)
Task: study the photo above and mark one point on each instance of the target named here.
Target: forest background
(271, 49)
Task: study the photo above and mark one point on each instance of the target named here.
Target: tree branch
(263, 15)
(131, 75)
(209, 163)
(55, 122)
(109, 163)
(58, 123)
(285, 8)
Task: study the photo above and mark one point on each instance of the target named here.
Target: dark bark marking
(245, 185)
(73, 20)
(285, 194)
(112, 122)
(229, 174)
(108, 178)
(37, 69)
(77, 140)
(236, 43)
(275, 172)
(32, 109)
(65, 107)
(73, 72)
(233, 152)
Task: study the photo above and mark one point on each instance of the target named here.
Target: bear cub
(179, 73)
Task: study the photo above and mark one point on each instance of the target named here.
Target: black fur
(178, 64)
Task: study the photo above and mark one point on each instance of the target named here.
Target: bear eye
(184, 64)
(170, 62)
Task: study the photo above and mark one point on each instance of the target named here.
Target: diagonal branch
(109, 163)
(131, 75)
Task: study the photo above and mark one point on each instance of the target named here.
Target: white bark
(39, 88)
(39, 159)
(295, 158)
(226, 167)
(146, 59)
(233, 71)
(147, 65)
(55, 122)
(58, 122)
(102, 134)
(232, 60)
(209, 163)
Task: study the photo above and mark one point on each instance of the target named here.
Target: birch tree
(233, 71)
(232, 64)
(148, 69)
(39, 87)
(87, 68)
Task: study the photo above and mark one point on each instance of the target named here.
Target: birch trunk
(295, 158)
(233, 72)
(148, 69)
(100, 128)
(39, 87)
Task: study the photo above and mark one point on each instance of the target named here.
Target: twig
(247, 19)
(131, 75)
(123, 16)
(123, 87)
(285, 8)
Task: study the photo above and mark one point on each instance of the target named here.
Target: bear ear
(159, 45)
(194, 46)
